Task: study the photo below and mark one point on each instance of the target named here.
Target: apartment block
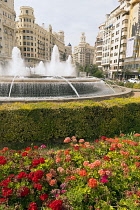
(99, 47)
(83, 53)
(119, 41)
(132, 60)
(7, 29)
(114, 40)
(36, 42)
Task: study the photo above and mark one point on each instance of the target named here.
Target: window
(27, 11)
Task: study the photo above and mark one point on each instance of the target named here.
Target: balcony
(124, 33)
(123, 41)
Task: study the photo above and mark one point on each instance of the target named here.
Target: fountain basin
(57, 89)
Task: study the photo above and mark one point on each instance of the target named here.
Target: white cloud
(73, 17)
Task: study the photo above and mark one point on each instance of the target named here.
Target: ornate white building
(83, 53)
(7, 29)
(36, 42)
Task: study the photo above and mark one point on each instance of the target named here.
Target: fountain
(54, 80)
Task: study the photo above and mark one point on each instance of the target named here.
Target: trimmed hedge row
(44, 121)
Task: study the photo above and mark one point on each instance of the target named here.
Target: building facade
(132, 60)
(119, 41)
(99, 47)
(36, 42)
(114, 40)
(7, 29)
(83, 53)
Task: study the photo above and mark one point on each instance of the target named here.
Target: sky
(71, 16)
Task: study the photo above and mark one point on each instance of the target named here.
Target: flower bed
(104, 174)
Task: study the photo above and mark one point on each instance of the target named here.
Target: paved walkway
(136, 93)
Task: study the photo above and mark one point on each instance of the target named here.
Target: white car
(133, 80)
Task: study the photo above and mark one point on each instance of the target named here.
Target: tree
(92, 70)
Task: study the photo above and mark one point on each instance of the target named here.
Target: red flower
(21, 175)
(56, 205)
(5, 149)
(43, 197)
(38, 186)
(137, 164)
(35, 179)
(36, 162)
(76, 147)
(28, 149)
(24, 154)
(138, 193)
(111, 148)
(39, 174)
(103, 137)
(106, 158)
(6, 192)
(31, 175)
(96, 140)
(35, 147)
(23, 191)
(42, 160)
(3, 200)
(5, 182)
(32, 206)
(2, 160)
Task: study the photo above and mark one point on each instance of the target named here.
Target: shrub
(43, 122)
(136, 85)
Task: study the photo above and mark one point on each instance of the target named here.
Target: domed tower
(83, 38)
(26, 16)
(26, 34)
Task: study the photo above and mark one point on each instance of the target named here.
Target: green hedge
(44, 121)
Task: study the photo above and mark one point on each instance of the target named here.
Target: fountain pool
(54, 80)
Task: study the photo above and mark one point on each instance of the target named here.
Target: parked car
(133, 80)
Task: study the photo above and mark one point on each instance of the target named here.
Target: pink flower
(81, 141)
(85, 163)
(104, 180)
(97, 163)
(101, 172)
(67, 140)
(91, 165)
(63, 191)
(43, 146)
(60, 169)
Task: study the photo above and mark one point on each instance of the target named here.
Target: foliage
(127, 84)
(102, 174)
(92, 70)
(50, 122)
